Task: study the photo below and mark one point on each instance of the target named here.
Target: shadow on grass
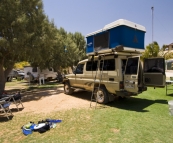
(36, 92)
(131, 103)
(4, 118)
(170, 94)
(16, 110)
(135, 104)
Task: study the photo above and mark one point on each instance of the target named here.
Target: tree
(151, 50)
(26, 34)
(20, 30)
(67, 50)
(168, 55)
(20, 65)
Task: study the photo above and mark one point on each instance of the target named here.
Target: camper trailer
(33, 73)
(113, 67)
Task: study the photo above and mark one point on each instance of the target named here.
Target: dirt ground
(53, 99)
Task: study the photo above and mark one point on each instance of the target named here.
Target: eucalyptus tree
(21, 23)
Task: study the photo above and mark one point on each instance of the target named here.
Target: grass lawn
(141, 119)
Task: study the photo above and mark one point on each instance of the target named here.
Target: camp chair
(4, 106)
(15, 99)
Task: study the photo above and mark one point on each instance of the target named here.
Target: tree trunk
(59, 75)
(2, 80)
(3, 76)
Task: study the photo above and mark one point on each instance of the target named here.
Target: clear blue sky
(87, 16)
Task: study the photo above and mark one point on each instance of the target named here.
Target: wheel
(9, 79)
(101, 95)
(67, 89)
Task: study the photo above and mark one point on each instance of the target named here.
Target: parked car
(11, 76)
(20, 74)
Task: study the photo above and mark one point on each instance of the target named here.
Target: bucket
(170, 103)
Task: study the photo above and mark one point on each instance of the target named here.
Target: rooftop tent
(121, 32)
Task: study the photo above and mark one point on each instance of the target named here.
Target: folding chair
(4, 107)
(15, 99)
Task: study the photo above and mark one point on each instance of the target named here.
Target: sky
(86, 16)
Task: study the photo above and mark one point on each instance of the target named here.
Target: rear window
(154, 65)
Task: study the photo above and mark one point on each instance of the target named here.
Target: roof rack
(120, 49)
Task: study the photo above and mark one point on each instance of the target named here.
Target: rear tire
(9, 79)
(67, 89)
(101, 95)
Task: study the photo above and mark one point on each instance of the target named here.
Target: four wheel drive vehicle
(113, 67)
(119, 74)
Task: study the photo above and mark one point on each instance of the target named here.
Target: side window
(91, 66)
(79, 69)
(34, 69)
(132, 66)
(109, 65)
(170, 65)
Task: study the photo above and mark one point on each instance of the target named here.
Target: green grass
(141, 119)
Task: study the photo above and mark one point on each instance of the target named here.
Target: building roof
(170, 44)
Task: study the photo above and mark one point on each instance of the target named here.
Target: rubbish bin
(170, 103)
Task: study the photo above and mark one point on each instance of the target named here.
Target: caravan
(33, 73)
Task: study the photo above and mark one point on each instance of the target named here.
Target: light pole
(152, 8)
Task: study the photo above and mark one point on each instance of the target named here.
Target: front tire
(101, 95)
(67, 89)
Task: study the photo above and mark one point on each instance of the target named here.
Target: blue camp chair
(4, 106)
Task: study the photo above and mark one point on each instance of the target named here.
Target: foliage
(26, 34)
(20, 30)
(164, 47)
(151, 50)
(20, 65)
(169, 55)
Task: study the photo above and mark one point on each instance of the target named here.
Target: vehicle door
(131, 80)
(154, 72)
(78, 79)
(90, 73)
